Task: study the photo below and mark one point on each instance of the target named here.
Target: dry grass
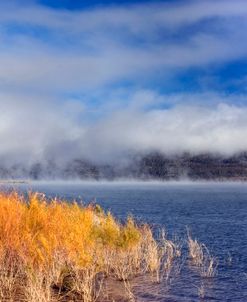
(10, 278)
(201, 258)
(160, 255)
(59, 251)
(209, 267)
(50, 251)
(196, 252)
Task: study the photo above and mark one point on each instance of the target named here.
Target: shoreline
(124, 182)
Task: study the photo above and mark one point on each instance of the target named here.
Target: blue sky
(78, 4)
(186, 46)
(104, 65)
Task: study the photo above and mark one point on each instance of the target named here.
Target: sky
(104, 79)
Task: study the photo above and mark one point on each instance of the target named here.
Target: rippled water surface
(215, 213)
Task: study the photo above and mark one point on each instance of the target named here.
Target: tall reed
(50, 249)
(202, 258)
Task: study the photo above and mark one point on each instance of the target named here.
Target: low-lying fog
(58, 132)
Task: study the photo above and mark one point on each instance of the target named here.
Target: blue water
(215, 213)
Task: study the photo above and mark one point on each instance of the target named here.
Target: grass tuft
(54, 249)
(201, 258)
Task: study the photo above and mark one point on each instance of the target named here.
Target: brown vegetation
(60, 251)
(53, 251)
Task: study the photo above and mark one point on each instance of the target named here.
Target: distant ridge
(153, 165)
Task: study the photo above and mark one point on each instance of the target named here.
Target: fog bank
(37, 131)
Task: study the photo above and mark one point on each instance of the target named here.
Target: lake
(216, 214)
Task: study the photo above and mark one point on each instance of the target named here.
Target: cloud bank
(54, 131)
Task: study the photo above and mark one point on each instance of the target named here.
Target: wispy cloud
(63, 50)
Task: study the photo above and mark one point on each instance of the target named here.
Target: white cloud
(191, 128)
(29, 127)
(34, 132)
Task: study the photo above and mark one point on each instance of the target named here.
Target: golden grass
(50, 250)
(60, 251)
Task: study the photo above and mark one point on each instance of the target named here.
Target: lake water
(215, 213)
